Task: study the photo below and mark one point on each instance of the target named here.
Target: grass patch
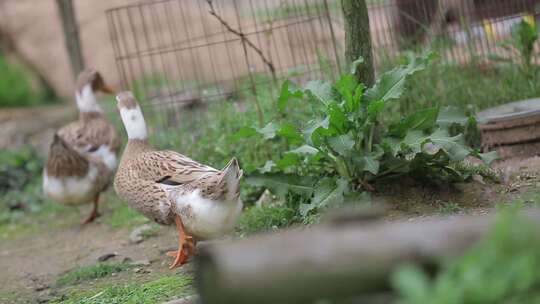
(16, 90)
(266, 218)
(151, 292)
(449, 208)
(91, 272)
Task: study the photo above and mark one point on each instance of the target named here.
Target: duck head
(132, 116)
(88, 83)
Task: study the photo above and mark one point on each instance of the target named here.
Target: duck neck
(86, 101)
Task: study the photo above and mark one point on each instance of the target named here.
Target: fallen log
(329, 261)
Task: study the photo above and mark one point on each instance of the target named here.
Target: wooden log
(330, 261)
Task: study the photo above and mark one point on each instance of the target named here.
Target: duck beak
(107, 89)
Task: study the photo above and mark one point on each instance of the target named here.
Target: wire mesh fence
(178, 53)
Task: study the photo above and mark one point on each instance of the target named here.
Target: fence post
(71, 35)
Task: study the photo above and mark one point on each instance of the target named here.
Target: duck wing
(87, 136)
(169, 168)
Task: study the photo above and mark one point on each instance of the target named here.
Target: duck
(83, 155)
(172, 189)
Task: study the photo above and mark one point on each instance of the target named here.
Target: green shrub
(15, 88)
(265, 218)
(349, 142)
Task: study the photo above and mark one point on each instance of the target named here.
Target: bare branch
(243, 37)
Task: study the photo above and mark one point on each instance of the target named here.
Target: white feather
(134, 123)
(105, 155)
(86, 100)
(208, 219)
(70, 190)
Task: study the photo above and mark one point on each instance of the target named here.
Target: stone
(137, 235)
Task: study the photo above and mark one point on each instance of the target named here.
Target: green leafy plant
(522, 41)
(348, 144)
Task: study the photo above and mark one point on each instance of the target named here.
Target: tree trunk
(358, 39)
(71, 35)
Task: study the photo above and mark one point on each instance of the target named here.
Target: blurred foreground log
(329, 261)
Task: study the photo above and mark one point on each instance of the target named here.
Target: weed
(151, 292)
(348, 144)
(265, 218)
(91, 272)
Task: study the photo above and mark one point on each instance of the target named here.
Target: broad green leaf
(357, 99)
(356, 63)
(327, 193)
(346, 86)
(374, 108)
(391, 84)
(342, 144)
(391, 145)
(453, 145)
(488, 157)
(315, 130)
(338, 119)
(451, 115)
(320, 90)
(268, 131)
(281, 184)
(289, 131)
(414, 140)
(305, 149)
(420, 120)
(371, 164)
(244, 132)
(267, 167)
(288, 91)
(288, 160)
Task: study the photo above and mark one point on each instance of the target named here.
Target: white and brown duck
(169, 187)
(83, 155)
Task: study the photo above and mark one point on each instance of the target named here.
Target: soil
(32, 263)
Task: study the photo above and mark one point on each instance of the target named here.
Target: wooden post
(71, 35)
(358, 39)
(330, 261)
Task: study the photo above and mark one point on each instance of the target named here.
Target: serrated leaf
(422, 120)
(391, 84)
(319, 90)
(289, 131)
(315, 130)
(267, 167)
(371, 164)
(374, 108)
(268, 131)
(346, 86)
(244, 132)
(342, 144)
(281, 184)
(288, 160)
(453, 145)
(288, 91)
(414, 140)
(327, 193)
(338, 119)
(488, 157)
(451, 115)
(305, 149)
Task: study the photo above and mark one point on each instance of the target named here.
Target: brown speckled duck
(83, 155)
(169, 187)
